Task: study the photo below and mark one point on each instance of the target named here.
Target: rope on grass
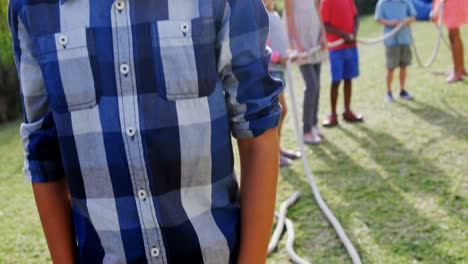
(281, 221)
(290, 243)
(352, 252)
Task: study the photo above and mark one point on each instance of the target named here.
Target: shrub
(9, 88)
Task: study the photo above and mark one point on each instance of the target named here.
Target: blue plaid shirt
(134, 102)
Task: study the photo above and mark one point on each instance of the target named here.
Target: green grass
(398, 183)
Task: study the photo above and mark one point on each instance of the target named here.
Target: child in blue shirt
(391, 13)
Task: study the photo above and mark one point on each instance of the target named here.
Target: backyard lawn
(398, 183)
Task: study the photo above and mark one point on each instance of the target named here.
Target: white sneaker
(313, 140)
(316, 132)
(389, 98)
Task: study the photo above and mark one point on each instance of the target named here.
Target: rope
(390, 34)
(316, 192)
(437, 47)
(281, 219)
(290, 242)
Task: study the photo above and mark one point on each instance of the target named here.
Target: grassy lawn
(398, 182)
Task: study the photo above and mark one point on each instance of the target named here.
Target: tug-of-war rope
(282, 219)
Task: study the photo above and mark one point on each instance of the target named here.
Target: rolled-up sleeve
(42, 159)
(251, 93)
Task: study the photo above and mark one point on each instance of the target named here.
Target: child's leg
(389, 79)
(309, 115)
(402, 77)
(457, 50)
(310, 95)
(334, 96)
(348, 84)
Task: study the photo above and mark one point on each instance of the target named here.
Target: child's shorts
(278, 75)
(398, 56)
(344, 64)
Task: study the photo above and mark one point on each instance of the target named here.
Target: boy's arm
(253, 109)
(42, 160)
(356, 26)
(343, 34)
(53, 204)
(289, 7)
(259, 174)
(390, 23)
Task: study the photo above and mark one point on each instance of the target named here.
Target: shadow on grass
(410, 173)
(454, 124)
(392, 221)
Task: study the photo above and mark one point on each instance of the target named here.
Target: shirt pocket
(184, 57)
(67, 60)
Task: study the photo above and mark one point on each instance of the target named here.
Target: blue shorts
(344, 64)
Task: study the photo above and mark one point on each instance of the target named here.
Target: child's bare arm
(53, 204)
(289, 7)
(388, 22)
(343, 34)
(259, 173)
(409, 20)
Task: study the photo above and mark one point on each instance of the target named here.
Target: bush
(9, 88)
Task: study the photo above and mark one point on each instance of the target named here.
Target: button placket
(129, 121)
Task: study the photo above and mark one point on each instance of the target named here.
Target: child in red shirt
(341, 21)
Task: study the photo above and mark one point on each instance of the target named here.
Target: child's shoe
(312, 139)
(316, 132)
(285, 162)
(455, 77)
(291, 154)
(331, 121)
(405, 95)
(389, 97)
(352, 117)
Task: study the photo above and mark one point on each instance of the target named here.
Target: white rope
(290, 244)
(390, 34)
(433, 57)
(382, 38)
(353, 254)
(281, 219)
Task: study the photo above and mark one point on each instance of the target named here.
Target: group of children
(308, 24)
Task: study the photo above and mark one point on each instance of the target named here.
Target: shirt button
(155, 252)
(124, 69)
(63, 40)
(184, 27)
(119, 5)
(131, 131)
(142, 194)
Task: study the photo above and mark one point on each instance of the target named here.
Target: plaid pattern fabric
(134, 102)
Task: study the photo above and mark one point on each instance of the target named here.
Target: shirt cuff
(42, 171)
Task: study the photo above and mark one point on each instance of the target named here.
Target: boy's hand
(394, 22)
(408, 20)
(323, 43)
(349, 38)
